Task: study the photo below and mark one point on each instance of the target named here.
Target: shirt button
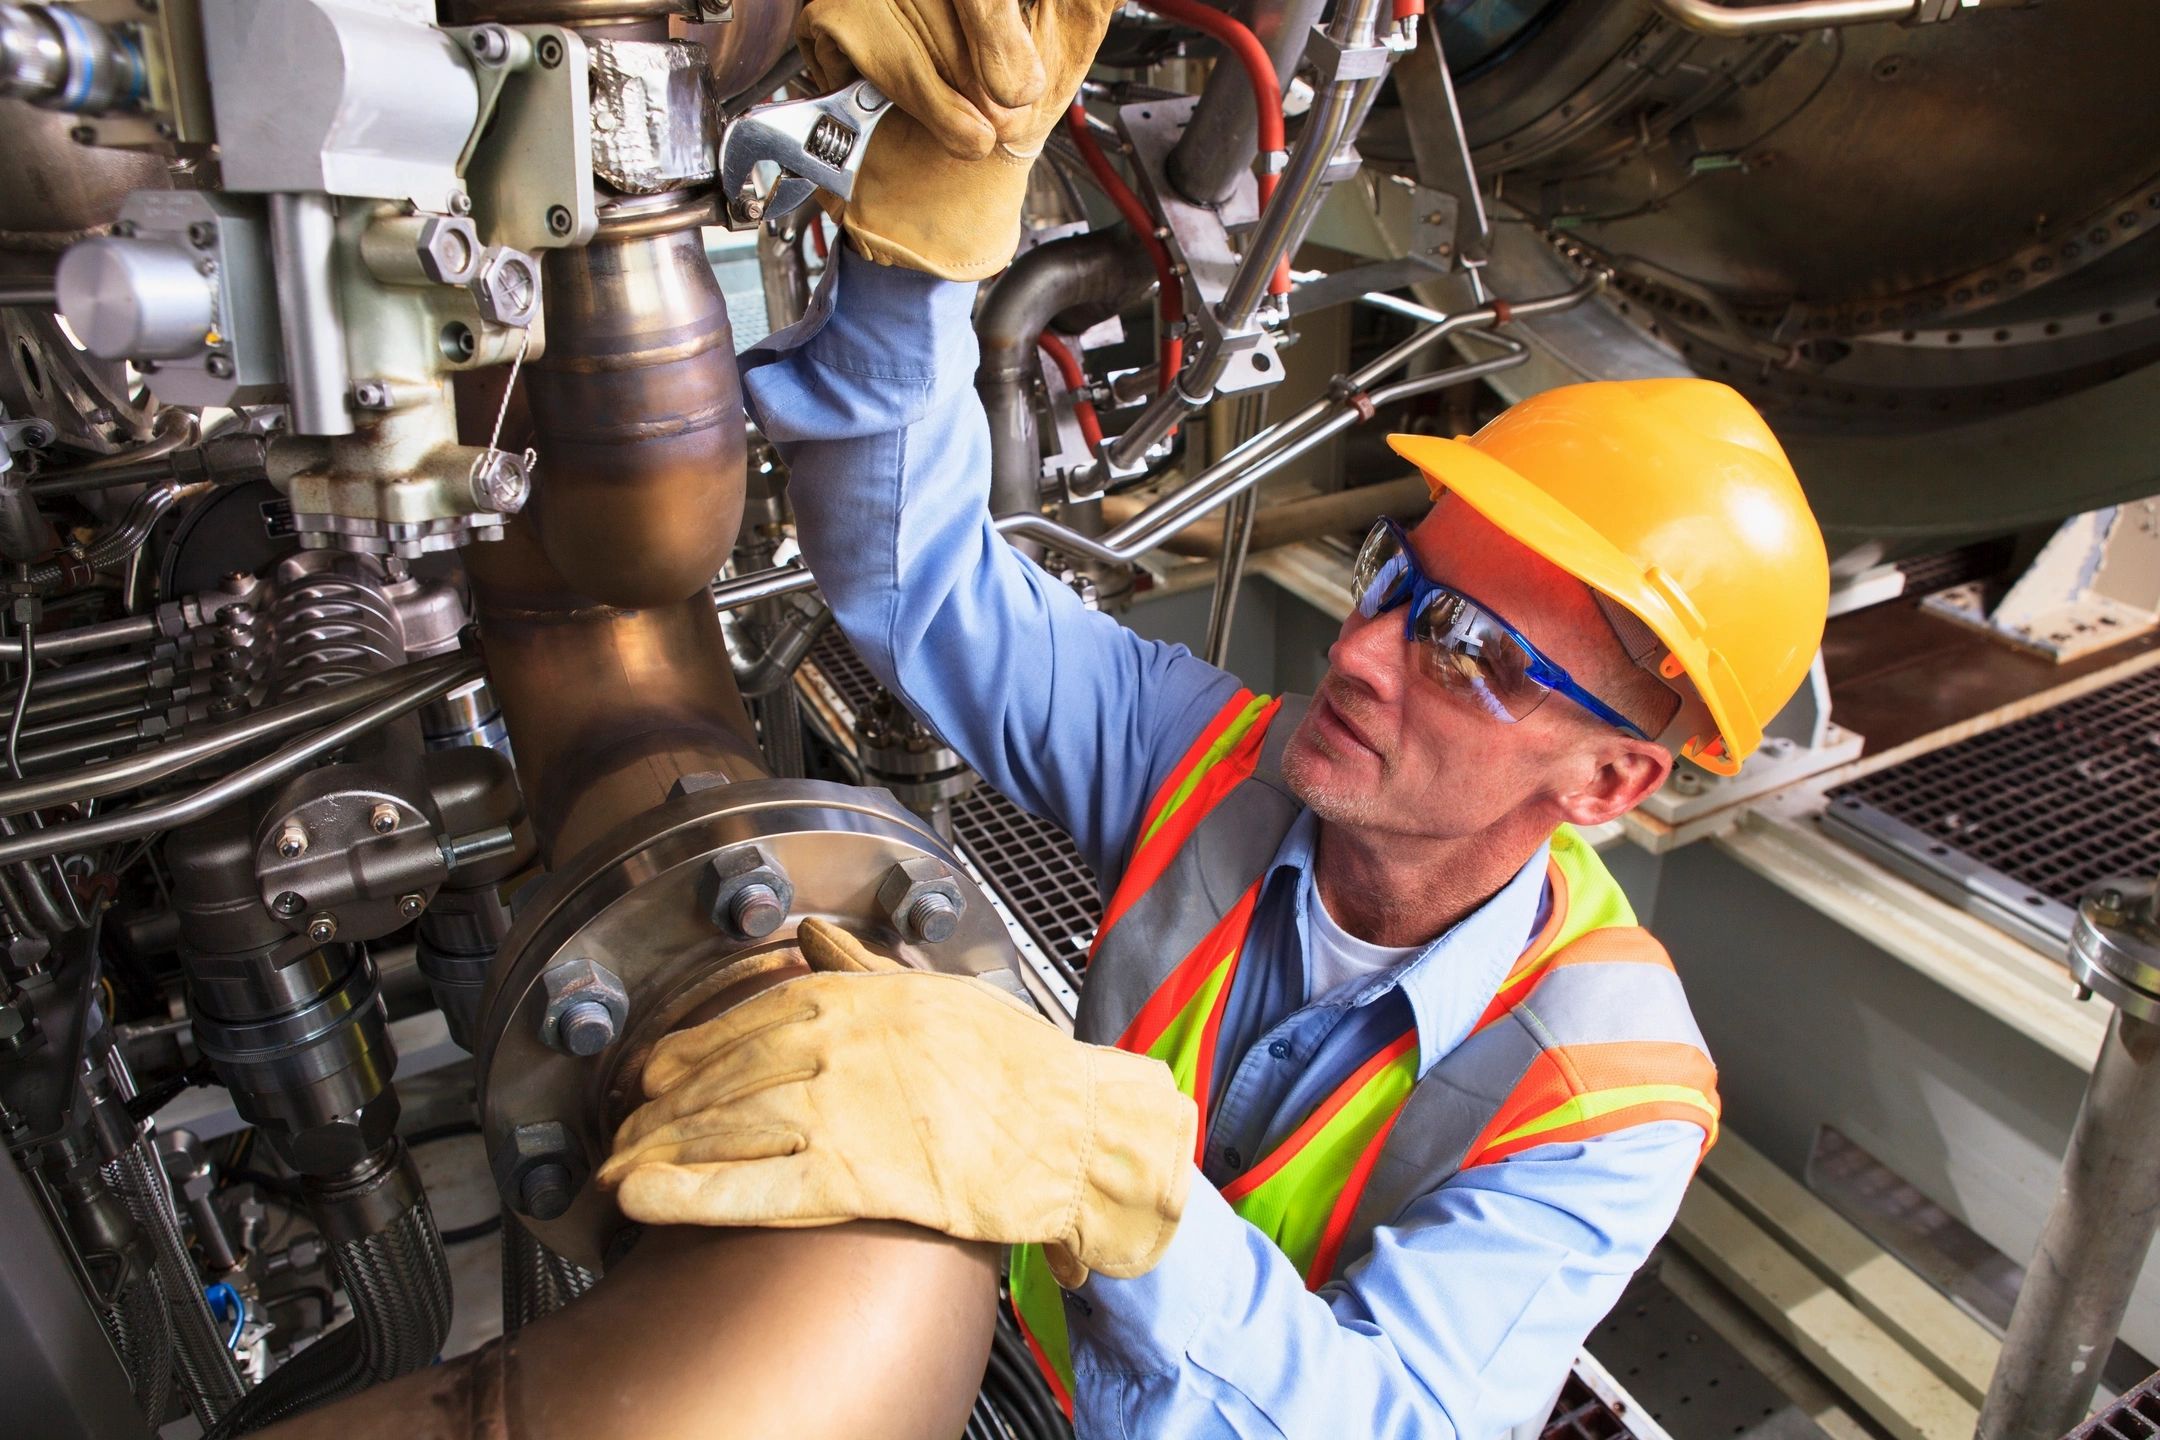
(1231, 1157)
(1280, 1049)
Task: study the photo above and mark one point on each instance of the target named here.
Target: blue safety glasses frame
(1462, 645)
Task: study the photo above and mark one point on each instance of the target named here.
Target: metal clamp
(817, 143)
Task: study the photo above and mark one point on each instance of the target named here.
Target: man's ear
(1627, 772)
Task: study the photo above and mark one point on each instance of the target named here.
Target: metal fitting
(537, 1171)
(411, 905)
(291, 842)
(383, 818)
(490, 44)
(600, 1003)
(745, 893)
(449, 249)
(500, 484)
(371, 395)
(923, 900)
(322, 929)
(507, 286)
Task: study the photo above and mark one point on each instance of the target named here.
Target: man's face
(1386, 748)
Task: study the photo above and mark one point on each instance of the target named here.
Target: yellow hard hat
(1672, 499)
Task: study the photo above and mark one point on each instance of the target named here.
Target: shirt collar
(1449, 982)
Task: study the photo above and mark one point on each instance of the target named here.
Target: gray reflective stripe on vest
(1608, 1002)
(1229, 850)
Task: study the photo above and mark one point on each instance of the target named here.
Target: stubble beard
(1304, 766)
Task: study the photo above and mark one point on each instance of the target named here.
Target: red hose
(817, 235)
(1234, 36)
(1170, 291)
(1076, 381)
(1404, 9)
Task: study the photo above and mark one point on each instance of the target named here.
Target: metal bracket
(1199, 241)
(531, 181)
(1440, 148)
(1332, 60)
(2094, 584)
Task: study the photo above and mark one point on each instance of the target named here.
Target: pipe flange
(640, 902)
(2115, 946)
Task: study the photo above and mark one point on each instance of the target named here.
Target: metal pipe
(29, 295)
(637, 412)
(303, 239)
(205, 1365)
(1268, 451)
(1237, 528)
(105, 636)
(1335, 113)
(1289, 521)
(279, 720)
(89, 672)
(1222, 136)
(1100, 267)
(749, 1321)
(1710, 17)
(287, 760)
(123, 539)
(2078, 1282)
(25, 533)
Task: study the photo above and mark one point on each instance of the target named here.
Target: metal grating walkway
(2015, 823)
(2136, 1416)
(1031, 863)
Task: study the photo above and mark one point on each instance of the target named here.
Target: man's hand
(978, 85)
(866, 1091)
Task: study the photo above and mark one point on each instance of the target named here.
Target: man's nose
(1372, 654)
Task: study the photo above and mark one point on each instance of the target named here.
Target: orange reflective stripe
(1208, 787)
(1346, 1204)
(1559, 1097)
(1197, 751)
(1529, 966)
(1182, 984)
(1049, 1371)
(1325, 1111)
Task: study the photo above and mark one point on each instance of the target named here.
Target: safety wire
(22, 698)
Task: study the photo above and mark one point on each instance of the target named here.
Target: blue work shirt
(1465, 1316)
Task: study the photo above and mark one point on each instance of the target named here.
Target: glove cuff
(1135, 1174)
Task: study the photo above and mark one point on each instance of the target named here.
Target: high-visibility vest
(1588, 1034)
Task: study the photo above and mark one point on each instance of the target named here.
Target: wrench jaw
(814, 144)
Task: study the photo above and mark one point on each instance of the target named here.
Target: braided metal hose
(207, 1374)
(137, 1324)
(536, 1281)
(385, 1252)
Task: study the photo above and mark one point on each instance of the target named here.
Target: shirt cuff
(1143, 1326)
(898, 324)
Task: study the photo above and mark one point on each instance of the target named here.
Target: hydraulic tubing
(288, 760)
(1101, 267)
(1223, 135)
(1336, 113)
(206, 1366)
(1713, 18)
(105, 636)
(1262, 455)
(2078, 1282)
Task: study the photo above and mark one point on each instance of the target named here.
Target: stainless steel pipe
(303, 235)
(1223, 135)
(1710, 17)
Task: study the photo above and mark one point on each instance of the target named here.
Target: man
(1388, 1096)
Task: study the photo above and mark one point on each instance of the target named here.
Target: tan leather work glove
(870, 1092)
(977, 86)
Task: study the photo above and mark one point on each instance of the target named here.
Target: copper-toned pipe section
(862, 1329)
(606, 707)
(638, 419)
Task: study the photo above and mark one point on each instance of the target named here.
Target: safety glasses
(1462, 645)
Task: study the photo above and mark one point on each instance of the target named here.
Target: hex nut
(449, 248)
(322, 929)
(383, 818)
(507, 286)
(923, 899)
(538, 1170)
(745, 892)
(571, 983)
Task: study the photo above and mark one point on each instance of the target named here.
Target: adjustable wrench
(815, 143)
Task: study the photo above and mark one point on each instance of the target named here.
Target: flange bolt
(757, 911)
(933, 917)
(544, 1192)
(586, 1028)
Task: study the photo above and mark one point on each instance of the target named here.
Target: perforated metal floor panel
(1689, 1377)
(2015, 823)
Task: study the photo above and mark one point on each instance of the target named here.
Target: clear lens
(1469, 652)
(1381, 579)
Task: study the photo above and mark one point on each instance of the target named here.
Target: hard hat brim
(1543, 525)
